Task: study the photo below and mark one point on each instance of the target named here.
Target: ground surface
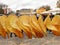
(49, 40)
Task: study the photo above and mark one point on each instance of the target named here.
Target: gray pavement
(49, 40)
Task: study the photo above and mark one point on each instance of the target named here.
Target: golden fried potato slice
(56, 20)
(2, 31)
(35, 26)
(47, 20)
(13, 21)
(2, 26)
(27, 24)
(41, 23)
(57, 33)
(52, 27)
(12, 25)
(23, 23)
(48, 24)
(2, 21)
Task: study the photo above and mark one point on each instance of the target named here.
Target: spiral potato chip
(29, 25)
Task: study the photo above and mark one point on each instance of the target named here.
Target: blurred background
(34, 4)
(29, 6)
